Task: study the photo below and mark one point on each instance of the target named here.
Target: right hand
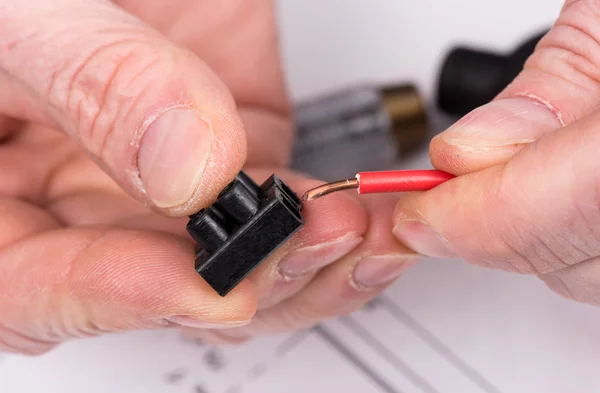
(527, 198)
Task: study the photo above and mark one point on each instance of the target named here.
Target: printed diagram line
(436, 344)
(368, 338)
(354, 359)
(388, 355)
(281, 350)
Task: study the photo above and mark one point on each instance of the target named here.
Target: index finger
(72, 283)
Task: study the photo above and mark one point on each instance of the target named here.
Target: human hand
(112, 133)
(528, 196)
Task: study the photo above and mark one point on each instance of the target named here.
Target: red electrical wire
(400, 181)
(383, 182)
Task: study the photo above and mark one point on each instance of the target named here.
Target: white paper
(444, 327)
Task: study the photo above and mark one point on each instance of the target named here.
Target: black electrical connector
(243, 227)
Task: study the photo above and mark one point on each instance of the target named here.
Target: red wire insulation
(400, 181)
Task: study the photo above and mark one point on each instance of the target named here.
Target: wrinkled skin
(114, 130)
(94, 194)
(528, 196)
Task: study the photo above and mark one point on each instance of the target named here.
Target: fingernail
(379, 270)
(172, 156)
(308, 259)
(422, 238)
(186, 321)
(501, 123)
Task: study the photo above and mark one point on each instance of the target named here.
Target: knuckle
(100, 87)
(571, 50)
(531, 241)
(527, 254)
(517, 242)
(578, 283)
(16, 342)
(557, 284)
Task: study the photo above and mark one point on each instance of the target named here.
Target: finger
(8, 126)
(247, 29)
(559, 84)
(59, 171)
(94, 207)
(152, 114)
(18, 102)
(327, 236)
(10, 92)
(27, 166)
(5, 129)
(244, 27)
(332, 229)
(21, 220)
(578, 282)
(269, 138)
(343, 286)
(73, 283)
(536, 214)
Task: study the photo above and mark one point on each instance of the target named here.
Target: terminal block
(242, 228)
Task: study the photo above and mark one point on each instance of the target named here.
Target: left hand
(81, 257)
(345, 255)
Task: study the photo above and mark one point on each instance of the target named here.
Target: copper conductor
(328, 188)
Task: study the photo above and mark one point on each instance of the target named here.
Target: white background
(332, 43)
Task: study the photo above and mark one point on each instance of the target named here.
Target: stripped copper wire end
(383, 182)
(328, 188)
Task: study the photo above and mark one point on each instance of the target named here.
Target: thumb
(537, 214)
(154, 116)
(558, 85)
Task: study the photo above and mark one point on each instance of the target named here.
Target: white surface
(444, 327)
(468, 330)
(332, 43)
